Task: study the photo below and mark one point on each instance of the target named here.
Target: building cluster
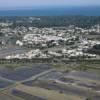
(68, 42)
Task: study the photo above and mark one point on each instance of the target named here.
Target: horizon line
(43, 7)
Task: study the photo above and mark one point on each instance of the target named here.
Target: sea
(54, 11)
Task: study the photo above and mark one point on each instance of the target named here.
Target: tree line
(54, 21)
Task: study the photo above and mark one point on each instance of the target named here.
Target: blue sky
(5, 4)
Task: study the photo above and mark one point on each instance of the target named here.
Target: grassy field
(79, 67)
(14, 66)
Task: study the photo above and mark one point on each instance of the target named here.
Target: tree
(1, 34)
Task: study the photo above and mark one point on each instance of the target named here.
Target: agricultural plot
(55, 86)
(83, 74)
(23, 73)
(45, 93)
(7, 97)
(95, 87)
(4, 84)
(25, 96)
(66, 89)
(63, 83)
(80, 83)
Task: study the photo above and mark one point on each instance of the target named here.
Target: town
(57, 42)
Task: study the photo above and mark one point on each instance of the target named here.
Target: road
(19, 82)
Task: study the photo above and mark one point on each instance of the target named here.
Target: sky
(11, 4)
